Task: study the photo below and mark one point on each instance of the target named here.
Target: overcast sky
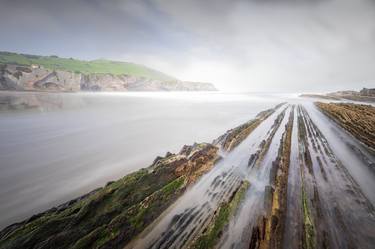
(240, 45)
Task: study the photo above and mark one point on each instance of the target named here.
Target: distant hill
(101, 66)
(21, 72)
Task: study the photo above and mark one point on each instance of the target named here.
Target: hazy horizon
(240, 46)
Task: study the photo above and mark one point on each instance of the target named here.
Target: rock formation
(235, 136)
(308, 199)
(368, 92)
(358, 120)
(269, 229)
(364, 95)
(111, 216)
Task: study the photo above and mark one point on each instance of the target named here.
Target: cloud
(239, 45)
(288, 45)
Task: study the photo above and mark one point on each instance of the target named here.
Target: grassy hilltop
(81, 66)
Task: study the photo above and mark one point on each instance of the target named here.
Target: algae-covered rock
(223, 215)
(111, 216)
(235, 136)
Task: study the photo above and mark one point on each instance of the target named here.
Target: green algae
(225, 211)
(108, 217)
(308, 224)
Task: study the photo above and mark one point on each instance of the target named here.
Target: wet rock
(268, 196)
(252, 160)
(319, 96)
(186, 149)
(255, 238)
(258, 234)
(235, 136)
(168, 154)
(214, 231)
(111, 216)
(269, 230)
(273, 172)
(156, 160)
(368, 92)
(358, 120)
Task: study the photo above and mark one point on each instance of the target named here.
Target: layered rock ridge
(358, 120)
(111, 216)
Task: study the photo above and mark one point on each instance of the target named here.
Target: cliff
(39, 78)
(99, 66)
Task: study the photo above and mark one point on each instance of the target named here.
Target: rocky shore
(234, 136)
(269, 229)
(358, 120)
(287, 193)
(319, 96)
(110, 217)
(364, 95)
(226, 210)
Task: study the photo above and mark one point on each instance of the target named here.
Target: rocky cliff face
(37, 78)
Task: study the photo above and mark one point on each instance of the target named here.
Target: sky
(239, 45)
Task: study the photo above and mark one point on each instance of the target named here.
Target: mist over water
(55, 147)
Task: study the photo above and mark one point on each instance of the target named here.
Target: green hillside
(81, 66)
